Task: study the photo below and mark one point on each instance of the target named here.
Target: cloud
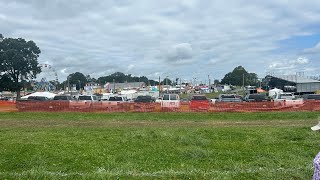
(313, 50)
(144, 37)
(290, 66)
(179, 53)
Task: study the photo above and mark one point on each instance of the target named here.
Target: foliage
(77, 79)
(18, 62)
(236, 77)
(119, 77)
(166, 81)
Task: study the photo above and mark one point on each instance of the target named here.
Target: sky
(190, 39)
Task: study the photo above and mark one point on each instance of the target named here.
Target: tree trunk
(18, 94)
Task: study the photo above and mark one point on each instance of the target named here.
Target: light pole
(79, 85)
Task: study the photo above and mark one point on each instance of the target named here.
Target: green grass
(171, 116)
(78, 151)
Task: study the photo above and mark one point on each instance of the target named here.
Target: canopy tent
(49, 95)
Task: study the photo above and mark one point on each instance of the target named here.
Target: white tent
(274, 91)
(49, 95)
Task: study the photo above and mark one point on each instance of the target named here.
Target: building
(293, 83)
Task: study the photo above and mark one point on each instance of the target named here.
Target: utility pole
(159, 86)
(68, 85)
(167, 84)
(243, 81)
(114, 85)
(180, 85)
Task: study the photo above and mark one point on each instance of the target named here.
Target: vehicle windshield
(257, 96)
(173, 97)
(228, 96)
(85, 98)
(61, 98)
(199, 98)
(115, 98)
(166, 97)
(316, 97)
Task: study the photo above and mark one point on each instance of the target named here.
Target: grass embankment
(157, 145)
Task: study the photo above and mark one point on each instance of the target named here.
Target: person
(316, 161)
(316, 166)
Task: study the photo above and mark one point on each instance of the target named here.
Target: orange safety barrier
(7, 106)
(106, 106)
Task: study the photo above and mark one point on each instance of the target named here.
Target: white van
(170, 101)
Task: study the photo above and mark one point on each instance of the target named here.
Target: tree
(240, 76)
(166, 81)
(120, 77)
(18, 62)
(78, 79)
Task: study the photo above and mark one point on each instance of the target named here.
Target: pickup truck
(286, 99)
(85, 102)
(114, 103)
(230, 98)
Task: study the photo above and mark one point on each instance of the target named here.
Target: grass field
(158, 145)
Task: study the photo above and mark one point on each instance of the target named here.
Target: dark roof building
(293, 83)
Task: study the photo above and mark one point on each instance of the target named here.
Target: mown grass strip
(160, 116)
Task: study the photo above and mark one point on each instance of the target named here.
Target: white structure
(49, 95)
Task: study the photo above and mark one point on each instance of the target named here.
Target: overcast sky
(175, 38)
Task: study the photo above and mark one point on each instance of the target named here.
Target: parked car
(311, 97)
(144, 99)
(37, 98)
(255, 98)
(114, 103)
(144, 104)
(199, 103)
(60, 103)
(62, 98)
(230, 98)
(170, 101)
(85, 102)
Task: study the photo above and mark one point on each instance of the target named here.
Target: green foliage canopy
(18, 62)
(239, 76)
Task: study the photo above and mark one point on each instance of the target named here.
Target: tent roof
(46, 94)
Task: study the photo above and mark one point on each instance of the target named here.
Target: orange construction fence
(105, 106)
(8, 106)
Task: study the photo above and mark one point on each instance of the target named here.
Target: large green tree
(78, 79)
(240, 76)
(18, 62)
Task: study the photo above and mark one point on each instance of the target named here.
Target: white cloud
(143, 37)
(290, 66)
(313, 50)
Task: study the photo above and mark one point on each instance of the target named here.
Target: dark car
(255, 98)
(199, 102)
(37, 98)
(311, 97)
(144, 104)
(60, 103)
(144, 99)
(62, 98)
